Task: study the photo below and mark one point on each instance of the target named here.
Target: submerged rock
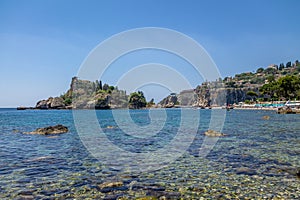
(107, 187)
(246, 171)
(212, 133)
(57, 129)
(110, 184)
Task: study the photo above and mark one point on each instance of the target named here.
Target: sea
(150, 154)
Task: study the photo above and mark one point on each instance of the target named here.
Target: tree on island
(150, 103)
(281, 66)
(137, 100)
(100, 85)
(105, 87)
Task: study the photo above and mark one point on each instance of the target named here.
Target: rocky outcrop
(202, 96)
(221, 96)
(57, 103)
(212, 133)
(50, 130)
(89, 95)
(170, 101)
(288, 110)
(187, 98)
(51, 103)
(207, 95)
(84, 94)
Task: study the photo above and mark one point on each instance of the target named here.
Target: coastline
(184, 107)
(255, 108)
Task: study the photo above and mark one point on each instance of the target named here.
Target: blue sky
(43, 43)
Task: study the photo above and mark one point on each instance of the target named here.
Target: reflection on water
(257, 159)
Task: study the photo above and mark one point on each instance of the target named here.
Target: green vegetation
(260, 70)
(252, 93)
(87, 94)
(274, 82)
(287, 87)
(137, 100)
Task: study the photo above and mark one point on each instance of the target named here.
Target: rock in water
(51, 103)
(110, 184)
(57, 129)
(212, 133)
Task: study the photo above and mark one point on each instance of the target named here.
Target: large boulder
(50, 130)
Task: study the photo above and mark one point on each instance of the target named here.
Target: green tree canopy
(281, 66)
(105, 87)
(260, 70)
(287, 87)
(252, 93)
(137, 100)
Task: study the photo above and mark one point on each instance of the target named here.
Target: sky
(44, 43)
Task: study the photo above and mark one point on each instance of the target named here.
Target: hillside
(275, 82)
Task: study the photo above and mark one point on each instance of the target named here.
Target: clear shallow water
(257, 159)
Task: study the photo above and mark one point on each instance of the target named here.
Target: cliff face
(206, 96)
(170, 101)
(89, 95)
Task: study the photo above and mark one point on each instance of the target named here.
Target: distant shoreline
(183, 107)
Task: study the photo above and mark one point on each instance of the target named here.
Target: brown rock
(57, 129)
(43, 104)
(57, 103)
(212, 133)
(110, 184)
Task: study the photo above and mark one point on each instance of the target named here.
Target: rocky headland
(273, 83)
(84, 94)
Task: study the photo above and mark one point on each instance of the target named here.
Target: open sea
(259, 157)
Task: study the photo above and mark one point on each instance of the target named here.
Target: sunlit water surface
(257, 159)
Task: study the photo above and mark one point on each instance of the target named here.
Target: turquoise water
(257, 159)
